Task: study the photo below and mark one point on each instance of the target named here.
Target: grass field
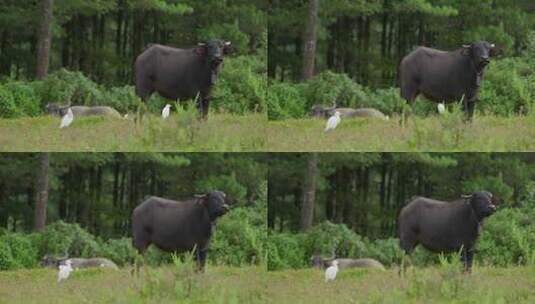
(254, 285)
(180, 132)
(428, 285)
(164, 285)
(435, 133)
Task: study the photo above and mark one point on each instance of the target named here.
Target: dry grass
(431, 134)
(181, 132)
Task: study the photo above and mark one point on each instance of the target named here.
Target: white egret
(333, 121)
(165, 111)
(441, 108)
(330, 273)
(64, 271)
(67, 119)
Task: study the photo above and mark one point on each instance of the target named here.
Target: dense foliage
(367, 39)
(94, 45)
(358, 197)
(507, 90)
(507, 240)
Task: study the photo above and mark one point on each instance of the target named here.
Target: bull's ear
(227, 48)
(494, 50)
(466, 49)
(200, 50)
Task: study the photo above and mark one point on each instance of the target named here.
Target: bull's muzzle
(226, 207)
(217, 60)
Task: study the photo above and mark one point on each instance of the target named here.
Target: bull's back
(360, 263)
(95, 111)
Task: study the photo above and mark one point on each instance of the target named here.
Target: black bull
(445, 76)
(178, 226)
(180, 73)
(445, 226)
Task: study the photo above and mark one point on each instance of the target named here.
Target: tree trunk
(309, 41)
(309, 193)
(45, 39)
(41, 198)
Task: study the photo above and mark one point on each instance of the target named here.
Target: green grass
(222, 284)
(435, 133)
(161, 285)
(427, 285)
(180, 132)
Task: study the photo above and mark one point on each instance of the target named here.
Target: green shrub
(286, 101)
(328, 87)
(26, 100)
(328, 238)
(120, 251)
(507, 88)
(7, 261)
(508, 238)
(242, 85)
(17, 251)
(65, 87)
(122, 99)
(240, 237)
(286, 251)
(8, 107)
(60, 237)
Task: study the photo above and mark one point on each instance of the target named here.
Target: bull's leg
(201, 259)
(408, 244)
(467, 256)
(203, 105)
(469, 108)
(409, 92)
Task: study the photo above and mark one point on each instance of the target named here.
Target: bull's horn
(199, 195)
(493, 45)
(201, 44)
(466, 195)
(466, 46)
(227, 43)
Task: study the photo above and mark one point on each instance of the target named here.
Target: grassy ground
(429, 285)
(435, 133)
(175, 284)
(164, 285)
(180, 132)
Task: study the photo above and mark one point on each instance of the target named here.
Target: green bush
(242, 85)
(7, 261)
(8, 107)
(17, 251)
(26, 100)
(122, 99)
(60, 237)
(286, 251)
(286, 100)
(328, 87)
(240, 236)
(508, 238)
(65, 87)
(508, 87)
(120, 251)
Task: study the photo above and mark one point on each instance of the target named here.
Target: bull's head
(52, 261)
(214, 202)
(480, 53)
(57, 109)
(483, 203)
(215, 50)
